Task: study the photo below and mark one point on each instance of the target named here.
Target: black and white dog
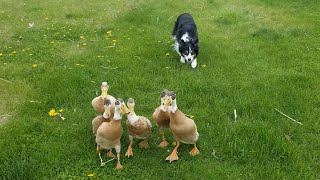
(186, 39)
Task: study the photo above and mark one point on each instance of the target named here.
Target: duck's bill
(107, 113)
(166, 103)
(125, 109)
(104, 92)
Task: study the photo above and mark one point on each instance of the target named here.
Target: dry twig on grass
(288, 116)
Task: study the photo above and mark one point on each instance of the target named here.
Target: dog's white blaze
(185, 37)
(189, 56)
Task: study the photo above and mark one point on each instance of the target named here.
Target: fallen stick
(6, 80)
(288, 116)
(109, 67)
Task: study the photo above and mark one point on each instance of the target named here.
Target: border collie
(186, 39)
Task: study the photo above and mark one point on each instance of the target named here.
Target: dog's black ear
(196, 42)
(182, 41)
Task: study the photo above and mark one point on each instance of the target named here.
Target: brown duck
(183, 128)
(138, 127)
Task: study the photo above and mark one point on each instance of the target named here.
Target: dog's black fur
(186, 38)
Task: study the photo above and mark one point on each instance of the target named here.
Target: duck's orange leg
(174, 154)
(119, 166)
(163, 143)
(194, 151)
(130, 150)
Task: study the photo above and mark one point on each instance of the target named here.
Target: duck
(138, 127)
(109, 133)
(183, 128)
(98, 102)
(161, 117)
(105, 117)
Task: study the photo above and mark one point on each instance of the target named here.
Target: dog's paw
(194, 63)
(182, 60)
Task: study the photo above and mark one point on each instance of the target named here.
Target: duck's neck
(163, 108)
(132, 117)
(117, 115)
(173, 107)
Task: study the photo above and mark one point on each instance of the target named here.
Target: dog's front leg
(194, 63)
(182, 60)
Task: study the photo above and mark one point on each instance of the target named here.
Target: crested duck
(138, 127)
(98, 102)
(109, 133)
(183, 128)
(161, 117)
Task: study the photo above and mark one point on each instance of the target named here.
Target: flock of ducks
(108, 129)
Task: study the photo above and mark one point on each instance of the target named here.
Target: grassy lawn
(255, 56)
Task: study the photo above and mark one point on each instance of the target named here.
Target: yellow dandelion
(174, 143)
(167, 54)
(203, 65)
(34, 65)
(81, 37)
(14, 52)
(52, 112)
(90, 175)
(46, 18)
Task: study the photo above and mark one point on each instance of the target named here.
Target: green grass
(259, 55)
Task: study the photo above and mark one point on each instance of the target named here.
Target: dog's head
(189, 49)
